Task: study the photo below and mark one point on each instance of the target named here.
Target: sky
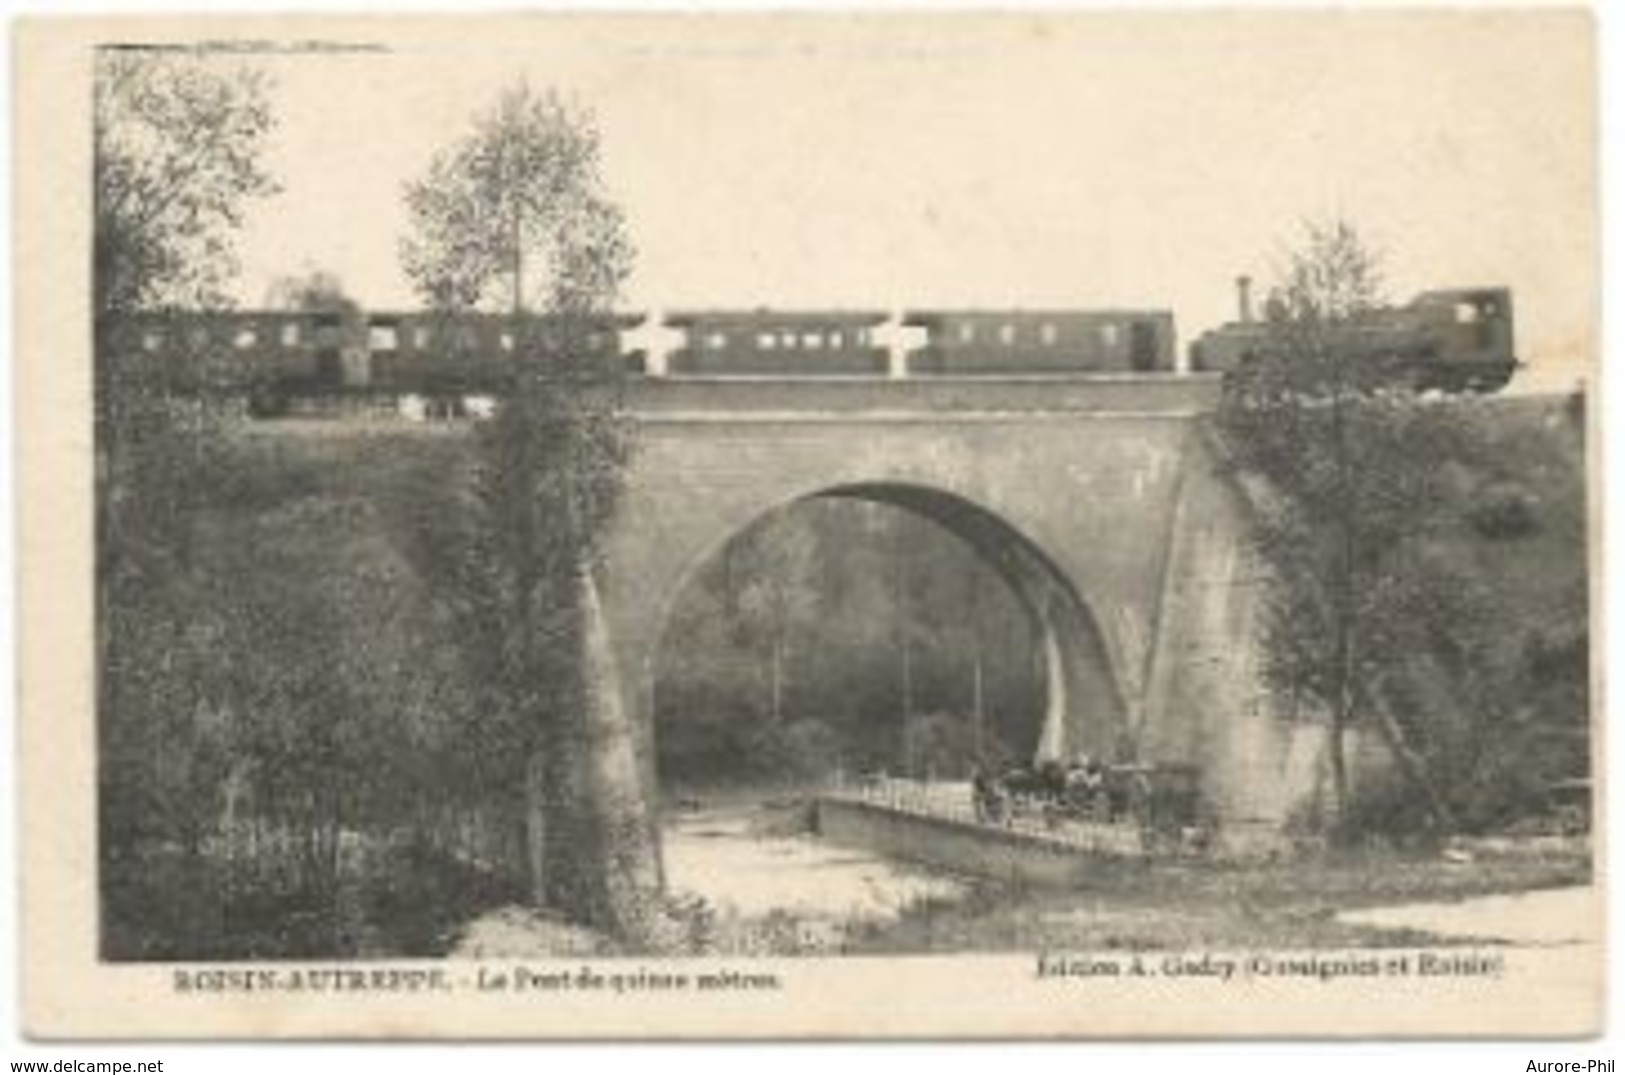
(900, 161)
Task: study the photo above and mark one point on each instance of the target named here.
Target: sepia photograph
(746, 525)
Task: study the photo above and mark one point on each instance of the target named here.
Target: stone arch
(1085, 710)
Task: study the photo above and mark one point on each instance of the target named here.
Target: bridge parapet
(1169, 394)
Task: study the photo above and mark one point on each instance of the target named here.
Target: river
(766, 885)
(723, 855)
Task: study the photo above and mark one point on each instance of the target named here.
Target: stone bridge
(1096, 499)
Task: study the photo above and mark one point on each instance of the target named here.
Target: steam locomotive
(1456, 341)
(1453, 340)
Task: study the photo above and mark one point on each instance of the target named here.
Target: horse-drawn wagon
(1160, 799)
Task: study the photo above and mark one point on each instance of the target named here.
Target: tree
(177, 144)
(778, 597)
(516, 214)
(940, 746)
(1349, 472)
(176, 156)
(833, 563)
(179, 137)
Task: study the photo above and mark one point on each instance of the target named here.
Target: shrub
(1504, 511)
(1383, 806)
(939, 745)
(807, 749)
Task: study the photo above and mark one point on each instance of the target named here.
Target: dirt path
(1545, 917)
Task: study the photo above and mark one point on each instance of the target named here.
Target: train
(1455, 340)
(275, 358)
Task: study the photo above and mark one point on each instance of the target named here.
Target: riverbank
(755, 885)
(1308, 902)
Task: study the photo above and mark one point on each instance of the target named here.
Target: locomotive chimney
(1244, 298)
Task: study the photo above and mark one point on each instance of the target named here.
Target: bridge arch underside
(1084, 709)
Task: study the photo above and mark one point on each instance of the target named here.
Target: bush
(1504, 511)
(939, 745)
(417, 898)
(807, 749)
(1386, 807)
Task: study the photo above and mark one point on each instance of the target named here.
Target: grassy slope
(1172, 906)
(1537, 448)
(1532, 575)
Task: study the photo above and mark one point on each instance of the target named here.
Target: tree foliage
(177, 145)
(1350, 468)
(179, 139)
(834, 561)
(1373, 618)
(516, 213)
(176, 157)
(778, 598)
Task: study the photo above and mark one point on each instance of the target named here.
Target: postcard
(897, 525)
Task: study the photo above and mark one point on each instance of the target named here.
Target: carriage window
(767, 341)
(420, 338)
(1046, 332)
(245, 338)
(151, 341)
(715, 341)
(967, 333)
(812, 340)
(836, 340)
(1110, 334)
(1466, 313)
(290, 334)
(1007, 334)
(381, 337)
